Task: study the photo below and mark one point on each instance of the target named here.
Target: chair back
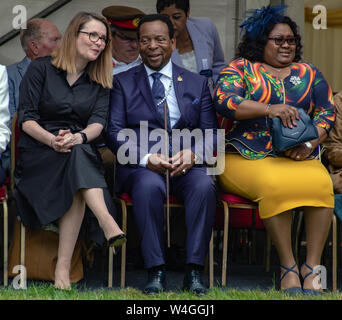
(239, 218)
(14, 150)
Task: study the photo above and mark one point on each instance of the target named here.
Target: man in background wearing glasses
(124, 22)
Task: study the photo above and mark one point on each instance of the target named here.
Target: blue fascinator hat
(258, 20)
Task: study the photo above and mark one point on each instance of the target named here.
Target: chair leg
(22, 254)
(225, 243)
(124, 246)
(111, 252)
(298, 232)
(110, 267)
(211, 260)
(334, 253)
(5, 208)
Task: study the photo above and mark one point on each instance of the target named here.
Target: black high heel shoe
(117, 241)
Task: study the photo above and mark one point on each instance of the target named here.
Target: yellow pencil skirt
(278, 184)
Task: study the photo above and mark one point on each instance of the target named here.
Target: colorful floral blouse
(305, 88)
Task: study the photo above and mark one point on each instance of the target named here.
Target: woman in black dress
(63, 107)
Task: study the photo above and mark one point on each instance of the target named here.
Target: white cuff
(143, 161)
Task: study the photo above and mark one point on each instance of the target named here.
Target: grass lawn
(48, 292)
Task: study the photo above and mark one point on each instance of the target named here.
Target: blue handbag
(284, 138)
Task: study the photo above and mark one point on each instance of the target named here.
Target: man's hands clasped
(178, 165)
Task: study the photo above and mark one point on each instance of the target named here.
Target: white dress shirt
(5, 131)
(170, 93)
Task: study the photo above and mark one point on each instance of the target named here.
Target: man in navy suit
(136, 100)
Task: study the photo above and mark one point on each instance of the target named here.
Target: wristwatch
(308, 144)
(84, 137)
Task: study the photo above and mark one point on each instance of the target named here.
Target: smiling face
(280, 55)
(86, 49)
(155, 44)
(178, 18)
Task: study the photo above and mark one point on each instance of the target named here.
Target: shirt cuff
(143, 161)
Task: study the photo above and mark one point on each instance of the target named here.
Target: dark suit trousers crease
(197, 192)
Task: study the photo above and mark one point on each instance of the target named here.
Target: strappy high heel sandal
(294, 290)
(310, 292)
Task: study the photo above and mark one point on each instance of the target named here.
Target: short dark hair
(157, 17)
(179, 4)
(253, 49)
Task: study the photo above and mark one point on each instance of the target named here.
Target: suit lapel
(178, 83)
(143, 84)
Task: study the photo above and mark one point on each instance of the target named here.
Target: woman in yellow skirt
(266, 80)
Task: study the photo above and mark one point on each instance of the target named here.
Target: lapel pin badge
(180, 79)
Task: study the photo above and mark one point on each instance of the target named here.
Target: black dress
(46, 180)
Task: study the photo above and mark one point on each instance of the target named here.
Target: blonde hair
(99, 70)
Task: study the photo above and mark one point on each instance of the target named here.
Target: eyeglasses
(124, 38)
(280, 41)
(94, 37)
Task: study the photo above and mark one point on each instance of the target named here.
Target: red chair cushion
(234, 199)
(126, 197)
(238, 218)
(3, 193)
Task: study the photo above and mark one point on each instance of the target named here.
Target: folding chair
(231, 201)
(14, 156)
(125, 200)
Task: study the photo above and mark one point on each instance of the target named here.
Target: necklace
(275, 69)
(278, 70)
(166, 94)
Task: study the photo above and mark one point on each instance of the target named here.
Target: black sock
(192, 266)
(156, 268)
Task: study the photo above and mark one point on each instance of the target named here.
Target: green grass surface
(48, 292)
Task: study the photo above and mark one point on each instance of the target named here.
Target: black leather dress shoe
(193, 281)
(156, 281)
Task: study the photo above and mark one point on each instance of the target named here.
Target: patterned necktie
(158, 94)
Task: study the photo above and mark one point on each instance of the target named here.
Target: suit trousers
(195, 189)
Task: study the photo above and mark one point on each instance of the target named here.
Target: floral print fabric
(305, 88)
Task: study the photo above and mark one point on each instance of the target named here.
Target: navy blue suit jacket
(132, 102)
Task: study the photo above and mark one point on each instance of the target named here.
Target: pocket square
(196, 101)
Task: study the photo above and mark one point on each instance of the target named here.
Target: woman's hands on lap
(298, 153)
(65, 140)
